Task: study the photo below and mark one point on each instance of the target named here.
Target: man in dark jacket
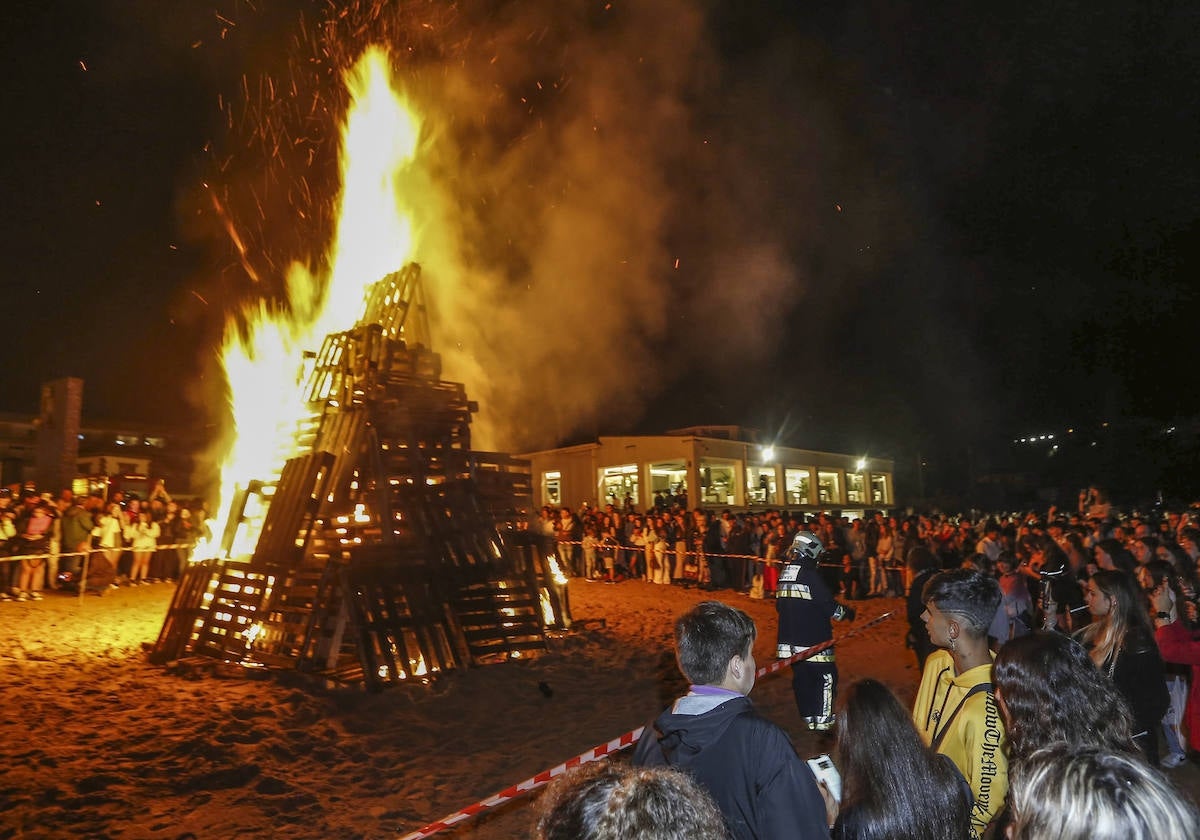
(747, 763)
(76, 533)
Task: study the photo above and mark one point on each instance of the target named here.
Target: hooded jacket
(745, 762)
(970, 728)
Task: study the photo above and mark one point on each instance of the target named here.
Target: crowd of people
(726, 550)
(1051, 736)
(50, 542)
(1056, 652)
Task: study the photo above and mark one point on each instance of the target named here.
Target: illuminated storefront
(711, 467)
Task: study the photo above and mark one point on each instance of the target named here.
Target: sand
(96, 742)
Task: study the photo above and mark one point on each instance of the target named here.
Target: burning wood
(380, 557)
(376, 553)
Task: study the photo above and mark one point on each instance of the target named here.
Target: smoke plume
(605, 205)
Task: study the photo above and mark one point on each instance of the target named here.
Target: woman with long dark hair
(1120, 640)
(1049, 690)
(1184, 567)
(922, 565)
(909, 791)
(1111, 555)
(1143, 549)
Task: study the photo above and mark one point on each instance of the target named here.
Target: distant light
(768, 453)
(862, 463)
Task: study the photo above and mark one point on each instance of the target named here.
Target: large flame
(263, 350)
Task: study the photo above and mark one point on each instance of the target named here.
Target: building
(58, 448)
(714, 467)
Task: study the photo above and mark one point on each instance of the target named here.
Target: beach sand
(96, 742)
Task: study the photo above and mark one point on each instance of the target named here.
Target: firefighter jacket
(806, 610)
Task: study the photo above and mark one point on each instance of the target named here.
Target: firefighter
(806, 611)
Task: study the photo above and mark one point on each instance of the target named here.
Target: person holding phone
(909, 793)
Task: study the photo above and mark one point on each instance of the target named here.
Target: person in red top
(1179, 643)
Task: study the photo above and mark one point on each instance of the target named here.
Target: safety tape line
(595, 753)
(779, 664)
(641, 548)
(533, 783)
(89, 552)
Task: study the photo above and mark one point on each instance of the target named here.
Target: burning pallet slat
(379, 557)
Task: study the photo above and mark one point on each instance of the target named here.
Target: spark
(233, 235)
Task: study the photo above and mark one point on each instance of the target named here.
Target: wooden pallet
(232, 612)
(186, 613)
(379, 558)
(499, 617)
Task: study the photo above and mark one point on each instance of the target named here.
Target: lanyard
(942, 726)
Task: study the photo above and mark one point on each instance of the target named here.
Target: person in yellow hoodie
(955, 709)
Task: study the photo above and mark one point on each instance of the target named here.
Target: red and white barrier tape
(595, 753)
(533, 783)
(779, 664)
(772, 561)
(46, 554)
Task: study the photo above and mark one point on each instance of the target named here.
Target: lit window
(829, 490)
(552, 488)
(798, 484)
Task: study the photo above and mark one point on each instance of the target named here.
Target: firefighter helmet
(806, 548)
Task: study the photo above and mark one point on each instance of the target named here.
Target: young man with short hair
(955, 709)
(748, 764)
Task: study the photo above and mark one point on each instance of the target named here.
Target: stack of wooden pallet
(389, 550)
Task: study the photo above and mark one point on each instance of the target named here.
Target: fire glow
(264, 345)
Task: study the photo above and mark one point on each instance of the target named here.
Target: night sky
(898, 224)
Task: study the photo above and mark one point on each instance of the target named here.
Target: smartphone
(822, 767)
